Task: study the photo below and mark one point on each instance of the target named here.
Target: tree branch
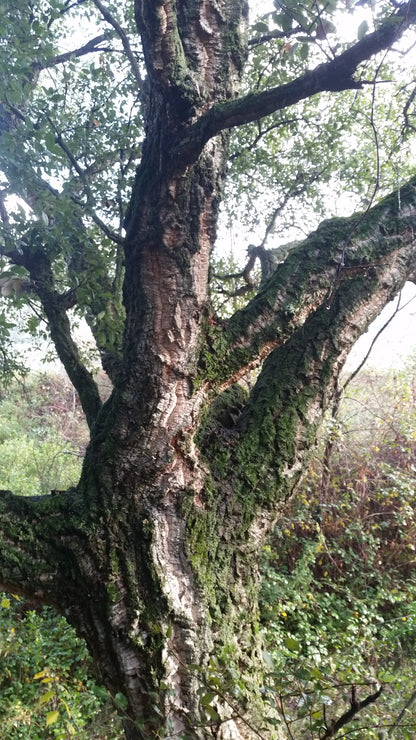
(378, 245)
(402, 714)
(32, 552)
(85, 265)
(45, 551)
(91, 46)
(274, 35)
(124, 40)
(90, 199)
(265, 439)
(356, 706)
(41, 275)
(332, 76)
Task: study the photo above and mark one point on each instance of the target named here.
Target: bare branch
(407, 125)
(88, 48)
(356, 706)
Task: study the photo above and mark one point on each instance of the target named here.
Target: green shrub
(42, 436)
(46, 680)
(339, 583)
(47, 685)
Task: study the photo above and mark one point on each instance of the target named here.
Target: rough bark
(153, 556)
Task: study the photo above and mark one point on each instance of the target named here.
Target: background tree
(117, 148)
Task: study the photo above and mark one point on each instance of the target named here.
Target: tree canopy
(124, 127)
(72, 131)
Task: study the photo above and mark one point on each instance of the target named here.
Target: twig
(223, 697)
(83, 177)
(356, 706)
(402, 713)
(380, 331)
(124, 40)
(87, 48)
(282, 709)
(272, 35)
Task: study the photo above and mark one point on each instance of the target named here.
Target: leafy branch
(124, 40)
(335, 75)
(90, 200)
(91, 46)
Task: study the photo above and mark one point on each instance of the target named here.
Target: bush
(42, 436)
(339, 586)
(46, 680)
(47, 684)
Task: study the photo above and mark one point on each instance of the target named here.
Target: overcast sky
(397, 341)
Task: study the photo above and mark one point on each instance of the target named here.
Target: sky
(398, 340)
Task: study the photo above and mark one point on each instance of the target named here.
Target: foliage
(46, 681)
(294, 167)
(339, 585)
(71, 135)
(229, 288)
(42, 435)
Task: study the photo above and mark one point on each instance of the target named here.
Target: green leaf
(316, 673)
(46, 697)
(195, 667)
(268, 660)
(208, 698)
(260, 27)
(41, 674)
(212, 713)
(50, 141)
(286, 22)
(318, 714)
(120, 701)
(52, 717)
(292, 644)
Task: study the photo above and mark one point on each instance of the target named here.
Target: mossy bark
(153, 557)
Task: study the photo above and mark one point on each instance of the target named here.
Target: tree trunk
(154, 557)
(155, 554)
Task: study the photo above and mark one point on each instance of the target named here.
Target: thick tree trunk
(154, 556)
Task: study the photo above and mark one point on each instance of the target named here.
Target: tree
(153, 556)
